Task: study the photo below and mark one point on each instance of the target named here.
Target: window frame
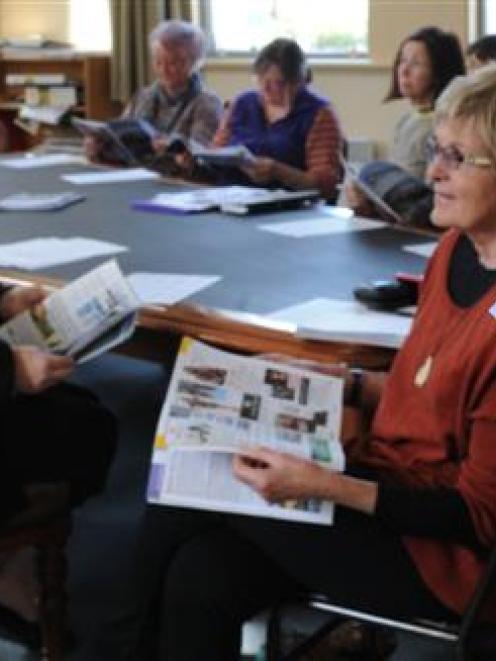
(202, 14)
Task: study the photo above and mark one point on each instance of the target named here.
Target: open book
(384, 210)
(125, 141)
(218, 403)
(83, 319)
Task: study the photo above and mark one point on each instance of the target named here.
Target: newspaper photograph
(219, 403)
(81, 320)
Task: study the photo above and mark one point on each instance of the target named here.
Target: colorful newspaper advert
(217, 404)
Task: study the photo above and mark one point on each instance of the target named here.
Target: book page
(110, 176)
(217, 404)
(73, 317)
(325, 224)
(31, 161)
(168, 288)
(47, 251)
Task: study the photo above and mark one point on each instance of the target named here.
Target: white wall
(356, 90)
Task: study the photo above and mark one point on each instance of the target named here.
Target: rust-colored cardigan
(444, 432)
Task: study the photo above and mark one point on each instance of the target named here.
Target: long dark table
(261, 271)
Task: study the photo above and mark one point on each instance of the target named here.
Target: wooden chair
(49, 540)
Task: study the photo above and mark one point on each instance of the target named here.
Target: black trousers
(199, 575)
(61, 435)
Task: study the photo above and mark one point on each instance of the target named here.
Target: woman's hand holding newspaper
(35, 370)
(278, 476)
(18, 299)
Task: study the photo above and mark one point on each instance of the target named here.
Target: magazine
(83, 319)
(124, 141)
(384, 209)
(219, 403)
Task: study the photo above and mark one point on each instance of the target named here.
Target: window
(322, 28)
(89, 25)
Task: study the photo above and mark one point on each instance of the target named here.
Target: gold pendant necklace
(422, 374)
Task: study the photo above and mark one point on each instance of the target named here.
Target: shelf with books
(90, 74)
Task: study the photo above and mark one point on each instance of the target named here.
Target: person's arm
(206, 117)
(278, 476)
(437, 512)
(223, 133)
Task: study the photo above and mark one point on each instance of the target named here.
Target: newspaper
(82, 320)
(219, 403)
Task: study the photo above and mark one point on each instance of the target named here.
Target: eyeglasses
(452, 158)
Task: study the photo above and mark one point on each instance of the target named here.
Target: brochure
(124, 141)
(83, 319)
(217, 404)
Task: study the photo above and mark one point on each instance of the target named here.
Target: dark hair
(288, 56)
(484, 49)
(446, 58)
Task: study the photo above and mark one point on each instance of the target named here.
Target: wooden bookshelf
(89, 73)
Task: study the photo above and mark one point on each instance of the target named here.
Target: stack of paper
(346, 321)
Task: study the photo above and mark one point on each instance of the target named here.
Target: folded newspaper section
(218, 403)
(87, 317)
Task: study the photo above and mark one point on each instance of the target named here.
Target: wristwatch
(355, 396)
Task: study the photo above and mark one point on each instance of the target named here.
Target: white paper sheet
(110, 176)
(168, 288)
(31, 161)
(421, 249)
(325, 224)
(346, 321)
(42, 252)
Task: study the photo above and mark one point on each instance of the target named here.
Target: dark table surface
(261, 271)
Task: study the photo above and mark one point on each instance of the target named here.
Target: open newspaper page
(218, 403)
(83, 319)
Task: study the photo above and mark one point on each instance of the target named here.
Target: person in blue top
(293, 132)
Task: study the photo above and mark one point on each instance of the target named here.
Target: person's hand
(160, 144)
(262, 170)
(19, 299)
(356, 200)
(92, 147)
(36, 370)
(278, 476)
(185, 161)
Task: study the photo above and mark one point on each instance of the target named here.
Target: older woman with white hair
(416, 508)
(177, 100)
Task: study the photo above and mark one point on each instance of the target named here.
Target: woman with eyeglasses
(416, 506)
(425, 63)
(292, 133)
